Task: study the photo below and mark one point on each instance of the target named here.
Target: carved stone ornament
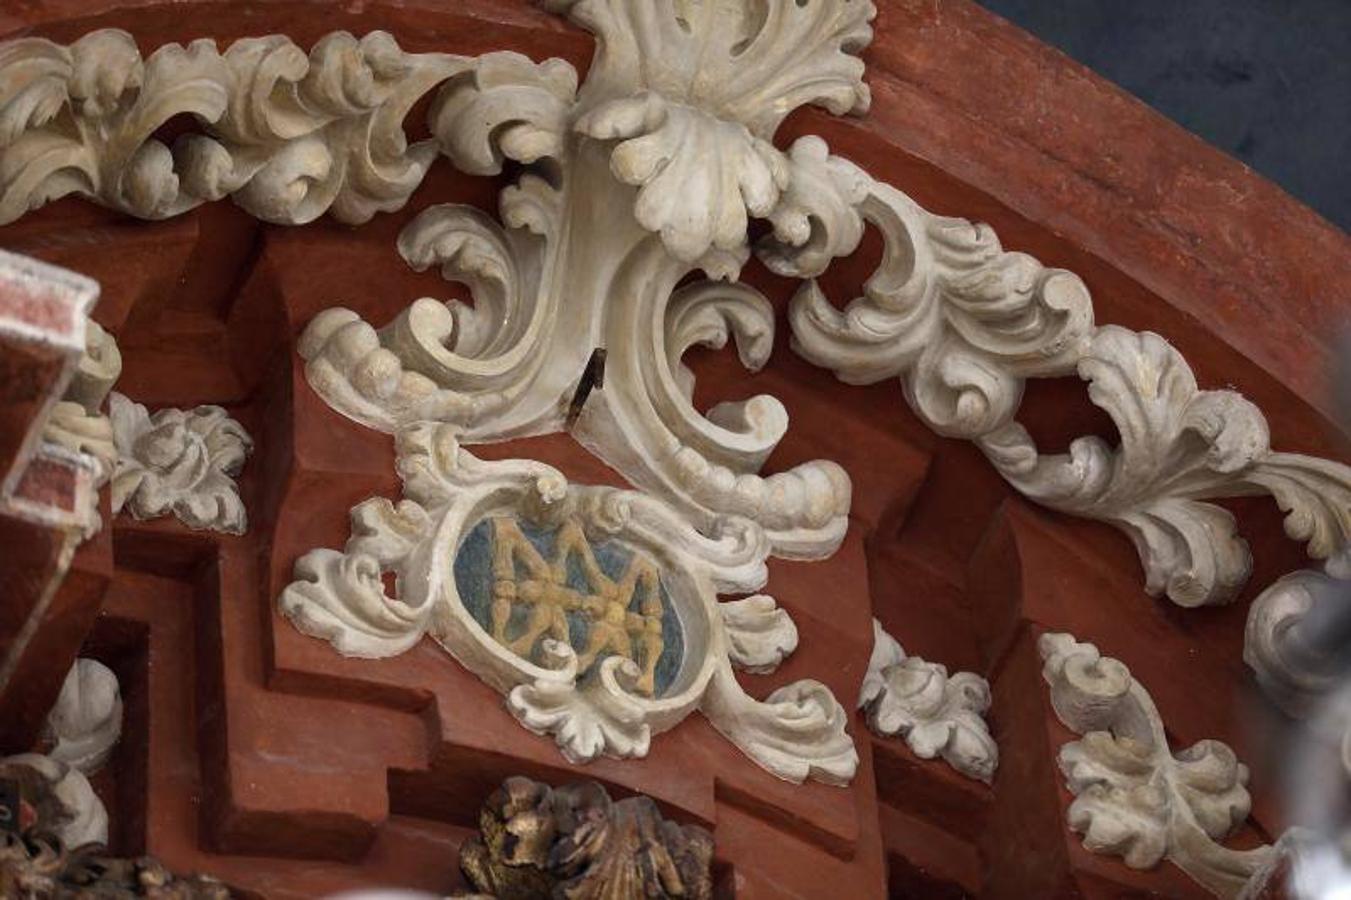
(86, 721)
(674, 122)
(1134, 797)
(962, 323)
(180, 462)
(575, 842)
(1179, 446)
(938, 715)
(594, 610)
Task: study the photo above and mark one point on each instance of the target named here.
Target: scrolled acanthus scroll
(459, 545)
(1133, 796)
(963, 324)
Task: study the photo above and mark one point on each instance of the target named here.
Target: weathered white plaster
(1134, 797)
(798, 732)
(936, 714)
(179, 461)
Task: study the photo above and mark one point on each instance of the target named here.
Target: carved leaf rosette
(1133, 796)
(592, 703)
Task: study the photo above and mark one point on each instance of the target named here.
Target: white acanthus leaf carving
(341, 598)
(86, 721)
(682, 104)
(1134, 797)
(80, 119)
(288, 135)
(447, 362)
(79, 818)
(181, 462)
(302, 134)
(601, 717)
(936, 714)
(590, 704)
(664, 148)
(760, 634)
(693, 92)
(963, 324)
(506, 366)
(958, 320)
(1179, 447)
(797, 732)
(505, 107)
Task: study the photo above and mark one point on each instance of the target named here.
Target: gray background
(1268, 81)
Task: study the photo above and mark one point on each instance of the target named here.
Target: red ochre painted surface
(263, 757)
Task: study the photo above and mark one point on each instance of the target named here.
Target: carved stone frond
(288, 135)
(959, 320)
(1134, 797)
(963, 323)
(708, 464)
(180, 462)
(536, 841)
(1179, 447)
(505, 107)
(936, 714)
(446, 362)
(760, 634)
(86, 721)
(593, 610)
(690, 94)
(663, 147)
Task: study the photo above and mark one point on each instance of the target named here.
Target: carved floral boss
(634, 184)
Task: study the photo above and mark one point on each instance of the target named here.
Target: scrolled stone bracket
(179, 462)
(1133, 796)
(962, 324)
(936, 714)
(506, 563)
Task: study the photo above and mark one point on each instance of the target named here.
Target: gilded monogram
(621, 615)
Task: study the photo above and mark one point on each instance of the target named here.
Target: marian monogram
(601, 599)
